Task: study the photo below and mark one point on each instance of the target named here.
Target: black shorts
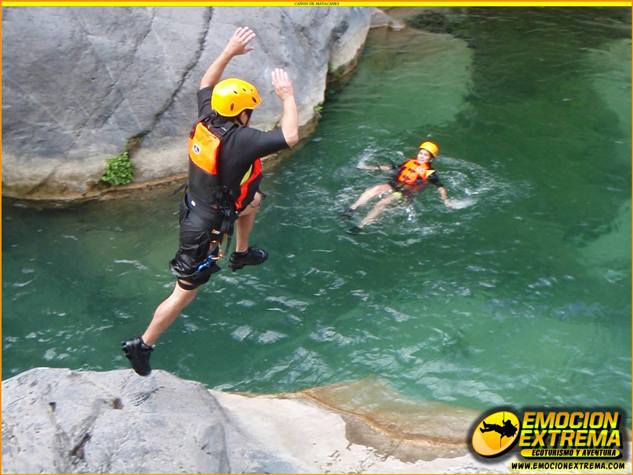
(407, 192)
(192, 262)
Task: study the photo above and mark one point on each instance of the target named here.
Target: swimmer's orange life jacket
(412, 172)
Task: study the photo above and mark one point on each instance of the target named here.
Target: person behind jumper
(222, 188)
(409, 177)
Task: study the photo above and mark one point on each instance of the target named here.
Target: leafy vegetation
(118, 170)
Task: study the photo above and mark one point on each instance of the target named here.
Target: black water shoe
(347, 214)
(251, 257)
(138, 353)
(354, 230)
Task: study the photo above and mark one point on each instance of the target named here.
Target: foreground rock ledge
(64, 421)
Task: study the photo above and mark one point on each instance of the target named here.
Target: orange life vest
(204, 183)
(204, 146)
(413, 171)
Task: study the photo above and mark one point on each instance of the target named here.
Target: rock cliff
(81, 85)
(64, 421)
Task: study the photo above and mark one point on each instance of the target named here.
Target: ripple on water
(288, 302)
(241, 332)
(268, 337)
(330, 335)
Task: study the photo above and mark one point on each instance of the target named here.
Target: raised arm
(289, 118)
(237, 45)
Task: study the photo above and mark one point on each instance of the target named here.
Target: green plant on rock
(118, 170)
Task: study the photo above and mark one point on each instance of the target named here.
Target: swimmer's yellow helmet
(232, 96)
(430, 147)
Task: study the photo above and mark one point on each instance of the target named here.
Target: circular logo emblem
(196, 149)
(496, 434)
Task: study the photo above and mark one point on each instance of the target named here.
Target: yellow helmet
(430, 147)
(232, 96)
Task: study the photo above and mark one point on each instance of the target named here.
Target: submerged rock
(611, 68)
(59, 420)
(81, 85)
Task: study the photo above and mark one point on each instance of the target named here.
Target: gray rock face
(80, 83)
(63, 421)
(67, 422)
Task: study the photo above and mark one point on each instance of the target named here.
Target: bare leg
(244, 224)
(369, 193)
(378, 209)
(167, 312)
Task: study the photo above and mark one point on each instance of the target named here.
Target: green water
(521, 295)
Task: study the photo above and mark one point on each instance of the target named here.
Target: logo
(196, 149)
(553, 439)
(496, 434)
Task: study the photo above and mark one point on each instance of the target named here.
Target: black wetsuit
(241, 148)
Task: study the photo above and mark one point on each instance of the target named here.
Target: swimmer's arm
(377, 168)
(444, 195)
(238, 44)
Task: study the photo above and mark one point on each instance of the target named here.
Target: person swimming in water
(409, 178)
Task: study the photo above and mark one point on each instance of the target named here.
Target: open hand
(282, 84)
(238, 44)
